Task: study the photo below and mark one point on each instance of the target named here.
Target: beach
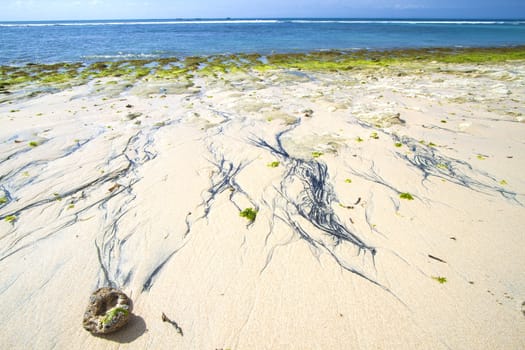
(306, 201)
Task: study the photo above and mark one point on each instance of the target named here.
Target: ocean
(87, 41)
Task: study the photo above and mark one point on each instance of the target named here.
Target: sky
(17, 10)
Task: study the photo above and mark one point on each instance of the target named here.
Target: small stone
(108, 310)
(396, 120)
(308, 113)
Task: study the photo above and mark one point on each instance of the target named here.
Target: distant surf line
(256, 21)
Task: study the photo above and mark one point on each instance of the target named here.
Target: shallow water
(45, 42)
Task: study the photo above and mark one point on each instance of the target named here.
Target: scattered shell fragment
(108, 310)
(114, 187)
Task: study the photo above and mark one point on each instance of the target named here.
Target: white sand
(169, 233)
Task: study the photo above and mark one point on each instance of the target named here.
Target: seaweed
(440, 279)
(249, 213)
(406, 195)
(11, 218)
(112, 313)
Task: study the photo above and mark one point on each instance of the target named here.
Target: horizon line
(396, 18)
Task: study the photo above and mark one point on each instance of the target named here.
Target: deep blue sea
(72, 41)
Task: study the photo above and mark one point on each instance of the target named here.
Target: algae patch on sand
(440, 279)
(249, 213)
(406, 195)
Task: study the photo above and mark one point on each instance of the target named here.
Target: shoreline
(173, 67)
(307, 201)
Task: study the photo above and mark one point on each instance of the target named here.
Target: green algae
(348, 181)
(317, 154)
(396, 61)
(33, 144)
(440, 279)
(249, 213)
(10, 219)
(406, 195)
(273, 164)
(111, 314)
(3, 200)
(398, 144)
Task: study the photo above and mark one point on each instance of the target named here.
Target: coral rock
(109, 310)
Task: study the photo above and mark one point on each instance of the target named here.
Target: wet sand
(389, 209)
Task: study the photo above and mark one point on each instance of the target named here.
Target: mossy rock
(108, 311)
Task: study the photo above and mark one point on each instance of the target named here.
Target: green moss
(33, 144)
(358, 139)
(481, 157)
(67, 74)
(273, 164)
(398, 144)
(440, 279)
(3, 200)
(374, 136)
(10, 218)
(112, 313)
(502, 182)
(249, 213)
(316, 154)
(406, 195)
(348, 181)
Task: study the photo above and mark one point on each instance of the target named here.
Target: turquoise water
(71, 41)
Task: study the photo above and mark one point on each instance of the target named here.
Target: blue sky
(121, 9)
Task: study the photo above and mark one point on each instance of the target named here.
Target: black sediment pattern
(430, 162)
(307, 208)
